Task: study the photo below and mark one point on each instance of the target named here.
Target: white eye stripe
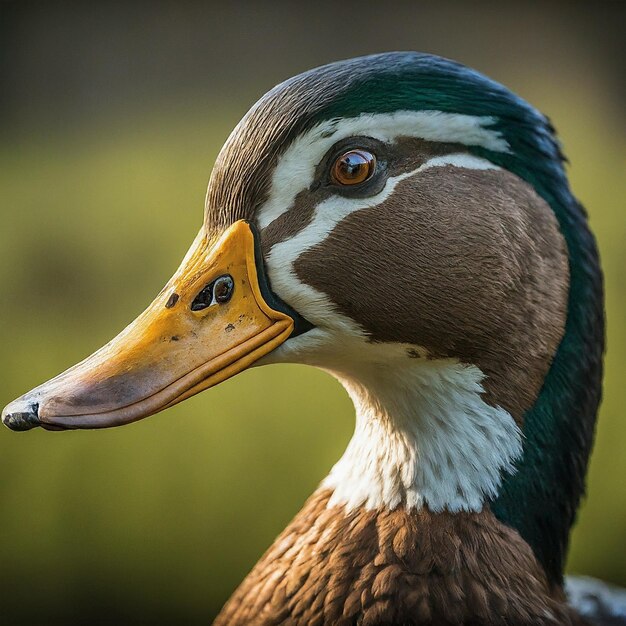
(296, 168)
(335, 209)
(461, 159)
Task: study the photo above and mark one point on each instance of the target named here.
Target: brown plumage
(370, 568)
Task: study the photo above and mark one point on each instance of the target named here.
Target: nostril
(223, 288)
(172, 300)
(219, 291)
(22, 417)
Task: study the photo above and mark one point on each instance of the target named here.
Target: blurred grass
(164, 517)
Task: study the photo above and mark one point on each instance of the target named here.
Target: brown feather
(370, 568)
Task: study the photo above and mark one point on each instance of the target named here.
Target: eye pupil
(353, 167)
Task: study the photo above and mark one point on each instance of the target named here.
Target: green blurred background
(111, 117)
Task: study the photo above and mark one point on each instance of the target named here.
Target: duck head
(406, 224)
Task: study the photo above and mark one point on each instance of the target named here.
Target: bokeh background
(111, 115)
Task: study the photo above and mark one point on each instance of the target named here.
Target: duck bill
(214, 318)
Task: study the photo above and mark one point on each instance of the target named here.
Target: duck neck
(424, 437)
(398, 532)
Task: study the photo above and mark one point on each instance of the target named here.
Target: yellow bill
(215, 318)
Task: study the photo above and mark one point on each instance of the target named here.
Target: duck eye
(219, 291)
(353, 167)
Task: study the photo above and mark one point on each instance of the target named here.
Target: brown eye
(353, 167)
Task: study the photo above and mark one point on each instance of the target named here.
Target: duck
(405, 223)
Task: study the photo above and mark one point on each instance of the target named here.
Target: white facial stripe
(315, 305)
(296, 168)
(302, 297)
(461, 159)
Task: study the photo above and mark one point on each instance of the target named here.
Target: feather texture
(370, 568)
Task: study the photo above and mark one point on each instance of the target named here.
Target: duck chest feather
(374, 567)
